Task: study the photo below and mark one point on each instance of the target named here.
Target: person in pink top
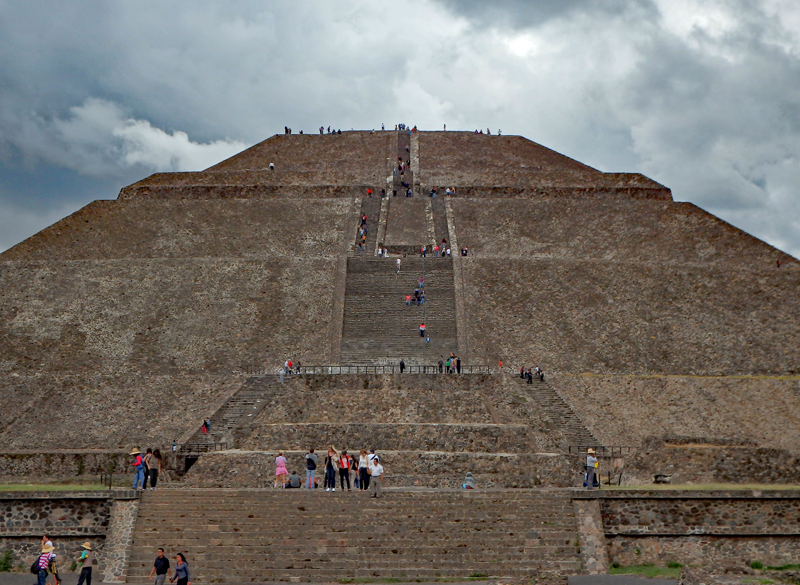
(280, 470)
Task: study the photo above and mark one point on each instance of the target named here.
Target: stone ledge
(791, 494)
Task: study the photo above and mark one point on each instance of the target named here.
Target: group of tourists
(362, 232)
(438, 249)
(148, 466)
(528, 374)
(489, 132)
(366, 472)
(449, 192)
(45, 563)
(419, 294)
(451, 365)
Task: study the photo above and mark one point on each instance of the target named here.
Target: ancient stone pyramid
(133, 319)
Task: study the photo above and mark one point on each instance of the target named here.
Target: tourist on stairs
(363, 471)
(331, 464)
(181, 571)
(280, 470)
(345, 463)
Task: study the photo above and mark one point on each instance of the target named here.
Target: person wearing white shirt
(363, 471)
(376, 472)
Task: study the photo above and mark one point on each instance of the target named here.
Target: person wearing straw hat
(47, 560)
(591, 468)
(138, 465)
(85, 561)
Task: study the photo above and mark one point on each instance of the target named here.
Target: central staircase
(238, 536)
(378, 326)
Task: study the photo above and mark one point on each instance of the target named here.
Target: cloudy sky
(701, 95)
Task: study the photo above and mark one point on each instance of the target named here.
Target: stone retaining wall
(484, 438)
(241, 469)
(106, 519)
(710, 530)
(704, 463)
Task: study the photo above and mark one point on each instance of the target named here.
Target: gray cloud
(702, 95)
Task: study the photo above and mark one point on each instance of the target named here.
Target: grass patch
(647, 571)
(705, 486)
(478, 576)
(50, 487)
(784, 568)
(6, 561)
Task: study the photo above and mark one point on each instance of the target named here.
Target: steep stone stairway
(403, 142)
(440, 219)
(379, 328)
(235, 536)
(371, 207)
(244, 404)
(560, 412)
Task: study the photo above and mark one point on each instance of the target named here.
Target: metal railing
(192, 448)
(325, 370)
(387, 369)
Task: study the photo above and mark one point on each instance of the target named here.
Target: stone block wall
(704, 463)
(721, 531)
(243, 469)
(78, 467)
(106, 519)
(398, 399)
(449, 437)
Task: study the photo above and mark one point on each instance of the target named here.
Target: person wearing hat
(138, 465)
(591, 468)
(47, 560)
(85, 561)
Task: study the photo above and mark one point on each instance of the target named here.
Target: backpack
(35, 566)
(310, 465)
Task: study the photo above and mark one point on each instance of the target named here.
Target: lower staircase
(560, 412)
(238, 536)
(246, 403)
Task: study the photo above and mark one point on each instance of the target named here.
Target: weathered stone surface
(627, 410)
(708, 463)
(594, 556)
(478, 164)
(119, 540)
(234, 469)
(105, 519)
(710, 530)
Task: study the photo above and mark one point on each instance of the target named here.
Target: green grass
(784, 568)
(647, 571)
(49, 487)
(705, 486)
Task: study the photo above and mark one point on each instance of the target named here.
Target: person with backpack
(46, 561)
(85, 563)
(138, 466)
(345, 463)
(311, 468)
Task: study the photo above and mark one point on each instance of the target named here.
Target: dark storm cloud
(702, 95)
(526, 13)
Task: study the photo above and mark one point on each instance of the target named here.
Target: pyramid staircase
(378, 326)
(238, 536)
(559, 412)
